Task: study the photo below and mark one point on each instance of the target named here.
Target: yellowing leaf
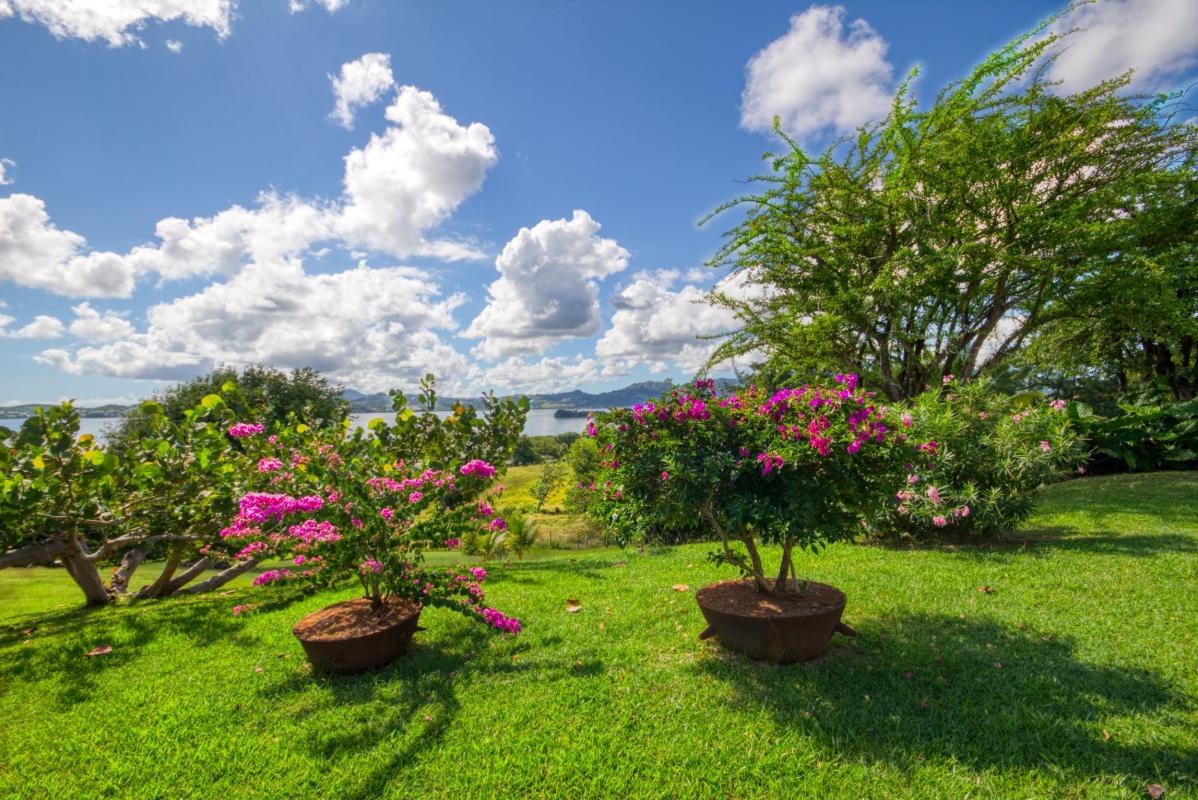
(38, 463)
(301, 428)
(406, 414)
(86, 438)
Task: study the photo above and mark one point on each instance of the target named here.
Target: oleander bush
(979, 461)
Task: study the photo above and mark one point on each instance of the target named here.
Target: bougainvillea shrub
(980, 458)
(335, 504)
(798, 467)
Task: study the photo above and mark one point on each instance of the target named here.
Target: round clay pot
(781, 629)
(353, 636)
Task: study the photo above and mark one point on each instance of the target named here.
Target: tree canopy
(945, 240)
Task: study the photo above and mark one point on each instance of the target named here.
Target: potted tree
(338, 505)
(795, 468)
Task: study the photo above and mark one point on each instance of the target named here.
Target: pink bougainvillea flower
(244, 430)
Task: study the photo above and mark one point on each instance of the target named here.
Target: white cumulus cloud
(411, 177)
(91, 325)
(661, 327)
(397, 189)
(372, 328)
(818, 76)
(174, 45)
(117, 22)
(331, 6)
(547, 291)
(549, 374)
(360, 83)
(36, 253)
(1156, 38)
(42, 326)
(4, 163)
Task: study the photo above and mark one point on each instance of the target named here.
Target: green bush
(1142, 438)
(982, 458)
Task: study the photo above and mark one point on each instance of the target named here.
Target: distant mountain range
(575, 399)
(359, 402)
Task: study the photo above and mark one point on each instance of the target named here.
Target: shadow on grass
(55, 644)
(534, 572)
(940, 687)
(1042, 539)
(397, 713)
(1098, 542)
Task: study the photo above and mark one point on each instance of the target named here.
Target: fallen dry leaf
(573, 605)
(986, 589)
(1106, 735)
(102, 650)
(681, 587)
(1155, 791)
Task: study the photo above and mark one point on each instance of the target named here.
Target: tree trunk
(785, 568)
(221, 578)
(759, 582)
(85, 574)
(159, 586)
(123, 573)
(41, 553)
(188, 575)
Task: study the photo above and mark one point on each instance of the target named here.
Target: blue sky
(514, 206)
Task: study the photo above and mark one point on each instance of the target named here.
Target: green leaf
(211, 401)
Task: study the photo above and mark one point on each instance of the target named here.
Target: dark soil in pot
(783, 628)
(352, 636)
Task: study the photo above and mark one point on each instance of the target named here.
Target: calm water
(540, 422)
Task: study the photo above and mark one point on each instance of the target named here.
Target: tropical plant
(796, 467)
(1141, 437)
(521, 534)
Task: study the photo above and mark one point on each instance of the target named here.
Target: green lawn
(1077, 677)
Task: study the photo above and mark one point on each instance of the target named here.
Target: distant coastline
(573, 404)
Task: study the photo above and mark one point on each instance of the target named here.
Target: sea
(540, 422)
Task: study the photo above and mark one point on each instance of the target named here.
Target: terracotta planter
(352, 636)
(781, 629)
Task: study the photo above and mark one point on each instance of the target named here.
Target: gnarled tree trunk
(221, 578)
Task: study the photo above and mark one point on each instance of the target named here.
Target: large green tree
(943, 240)
(1134, 318)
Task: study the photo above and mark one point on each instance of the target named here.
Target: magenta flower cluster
(243, 430)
